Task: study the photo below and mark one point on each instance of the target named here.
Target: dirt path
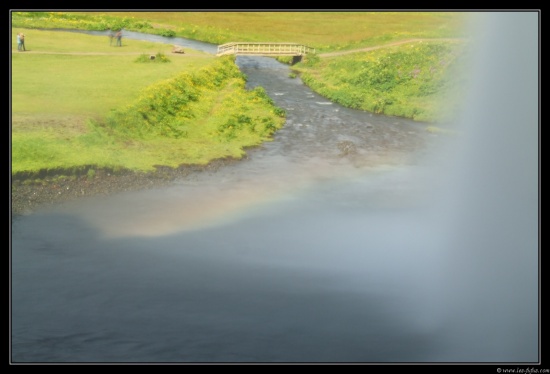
(332, 54)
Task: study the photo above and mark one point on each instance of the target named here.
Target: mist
(489, 209)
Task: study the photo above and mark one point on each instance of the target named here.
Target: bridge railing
(264, 49)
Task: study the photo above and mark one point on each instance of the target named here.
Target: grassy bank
(79, 103)
(423, 80)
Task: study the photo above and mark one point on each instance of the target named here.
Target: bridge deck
(264, 49)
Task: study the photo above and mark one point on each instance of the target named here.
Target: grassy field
(78, 74)
(325, 31)
(73, 95)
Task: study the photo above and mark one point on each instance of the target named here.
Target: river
(337, 242)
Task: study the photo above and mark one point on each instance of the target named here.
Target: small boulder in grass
(177, 49)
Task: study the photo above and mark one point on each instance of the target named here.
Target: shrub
(166, 32)
(158, 58)
(310, 60)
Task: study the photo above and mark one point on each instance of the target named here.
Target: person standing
(22, 39)
(18, 41)
(119, 38)
(111, 37)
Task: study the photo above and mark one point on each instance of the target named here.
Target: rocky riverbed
(27, 195)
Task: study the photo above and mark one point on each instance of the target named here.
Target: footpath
(414, 40)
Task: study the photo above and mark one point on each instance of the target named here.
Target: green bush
(310, 60)
(166, 32)
(158, 58)
(280, 112)
(261, 93)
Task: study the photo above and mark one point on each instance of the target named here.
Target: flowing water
(338, 241)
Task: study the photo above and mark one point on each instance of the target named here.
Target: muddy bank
(28, 195)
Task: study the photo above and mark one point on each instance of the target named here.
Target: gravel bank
(27, 195)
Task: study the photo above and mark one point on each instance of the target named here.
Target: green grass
(325, 31)
(421, 80)
(91, 80)
(74, 110)
(433, 99)
(76, 100)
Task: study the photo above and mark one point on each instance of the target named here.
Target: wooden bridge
(264, 49)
